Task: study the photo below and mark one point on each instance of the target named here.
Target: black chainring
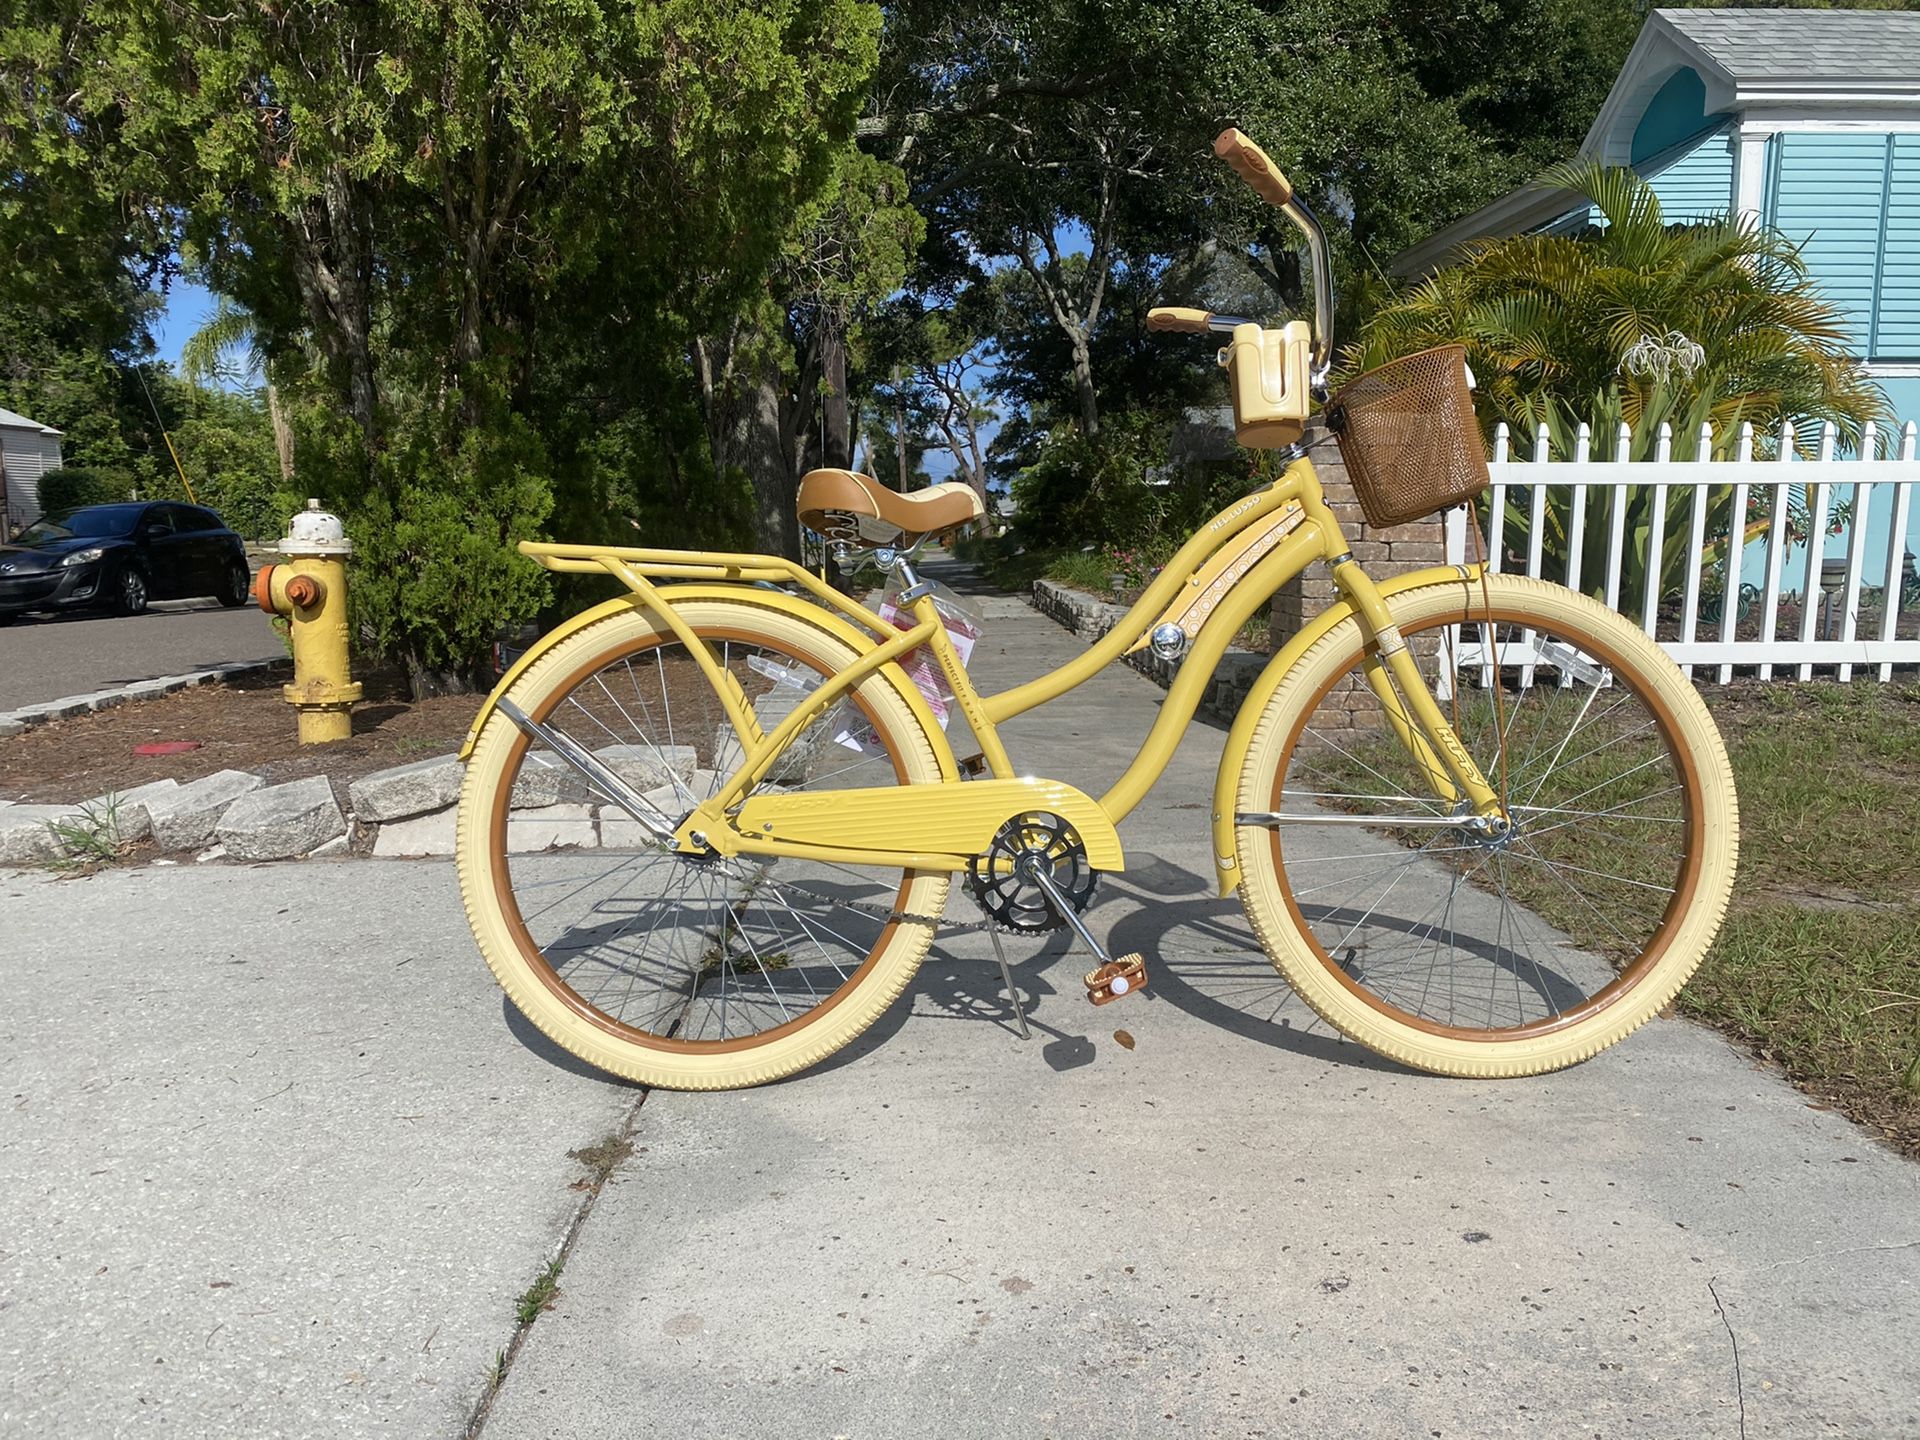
(1012, 900)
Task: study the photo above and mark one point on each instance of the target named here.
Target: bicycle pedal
(1117, 979)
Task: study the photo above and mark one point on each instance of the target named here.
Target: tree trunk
(836, 428)
(1083, 386)
(426, 681)
(332, 256)
(767, 458)
(282, 432)
(745, 434)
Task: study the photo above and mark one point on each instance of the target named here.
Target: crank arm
(1111, 978)
(595, 773)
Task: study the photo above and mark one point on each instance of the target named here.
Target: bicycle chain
(898, 917)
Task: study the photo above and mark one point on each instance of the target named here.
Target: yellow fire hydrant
(311, 591)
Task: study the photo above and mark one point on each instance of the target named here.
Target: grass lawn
(1819, 964)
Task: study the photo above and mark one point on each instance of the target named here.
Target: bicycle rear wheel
(692, 972)
(1477, 954)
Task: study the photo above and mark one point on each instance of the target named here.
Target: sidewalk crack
(555, 1265)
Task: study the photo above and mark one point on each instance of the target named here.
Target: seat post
(912, 587)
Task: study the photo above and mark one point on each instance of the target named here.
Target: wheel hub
(1486, 832)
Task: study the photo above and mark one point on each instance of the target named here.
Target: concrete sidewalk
(252, 1188)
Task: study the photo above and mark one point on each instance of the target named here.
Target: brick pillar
(1382, 553)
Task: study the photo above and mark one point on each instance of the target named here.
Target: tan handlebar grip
(1254, 167)
(1178, 317)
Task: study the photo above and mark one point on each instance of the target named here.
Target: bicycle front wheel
(691, 972)
(1473, 953)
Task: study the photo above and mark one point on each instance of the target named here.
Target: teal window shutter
(1828, 198)
(1699, 184)
(1897, 331)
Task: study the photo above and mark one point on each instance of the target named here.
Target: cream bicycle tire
(1369, 993)
(486, 867)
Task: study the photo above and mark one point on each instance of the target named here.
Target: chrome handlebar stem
(1298, 212)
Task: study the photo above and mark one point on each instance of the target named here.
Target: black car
(119, 557)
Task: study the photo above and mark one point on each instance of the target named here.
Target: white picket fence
(1804, 612)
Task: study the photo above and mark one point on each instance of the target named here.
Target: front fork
(1394, 676)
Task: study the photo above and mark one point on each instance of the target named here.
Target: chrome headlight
(82, 557)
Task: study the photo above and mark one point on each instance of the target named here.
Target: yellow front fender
(805, 611)
(1240, 737)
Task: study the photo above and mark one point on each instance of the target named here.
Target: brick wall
(1382, 553)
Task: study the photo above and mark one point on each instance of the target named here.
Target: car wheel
(132, 597)
(239, 586)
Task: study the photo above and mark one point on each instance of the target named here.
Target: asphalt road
(48, 658)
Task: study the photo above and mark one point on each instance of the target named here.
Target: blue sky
(188, 306)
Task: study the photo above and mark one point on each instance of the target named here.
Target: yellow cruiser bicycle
(1479, 822)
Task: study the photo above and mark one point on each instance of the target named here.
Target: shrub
(71, 486)
(1095, 492)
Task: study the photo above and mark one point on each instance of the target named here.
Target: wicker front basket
(1409, 438)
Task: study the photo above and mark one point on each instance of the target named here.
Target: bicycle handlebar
(1273, 186)
(1190, 322)
(1254, 167)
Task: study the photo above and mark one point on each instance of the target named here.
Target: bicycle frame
(1213, 585)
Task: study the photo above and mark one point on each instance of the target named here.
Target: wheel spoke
(1491, 931)
(696, 949)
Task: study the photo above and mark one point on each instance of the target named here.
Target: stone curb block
(31, 834)
(552, 826)
(282, 821)
(406, 790)
(186, 818)
(27, 836)
(12, 722)
(1092, 618)
(129, 809)
(417, 835)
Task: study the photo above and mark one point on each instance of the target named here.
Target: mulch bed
(241, 725)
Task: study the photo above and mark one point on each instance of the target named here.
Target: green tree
(431, 213)
(1070, 140)
(226, 448)
(229, 348)
(772, 377)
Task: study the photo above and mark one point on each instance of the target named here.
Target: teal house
(1806, 120)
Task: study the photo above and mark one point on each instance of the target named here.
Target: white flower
(1652, 358)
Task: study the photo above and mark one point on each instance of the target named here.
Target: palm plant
(228, 348)
(1635, 322)
(1720, 313)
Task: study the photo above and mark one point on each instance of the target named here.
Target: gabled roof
(1804, 59)
(20, 422)
(1841, 46)
(1853, 63)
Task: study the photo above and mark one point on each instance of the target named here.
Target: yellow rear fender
(779, 600)
(1240, 737)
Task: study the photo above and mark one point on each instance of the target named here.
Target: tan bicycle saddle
(857, 509)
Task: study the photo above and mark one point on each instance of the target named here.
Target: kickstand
(1013, 991)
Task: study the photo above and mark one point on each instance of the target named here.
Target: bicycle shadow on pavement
(535, 1040)
(1201, 960)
